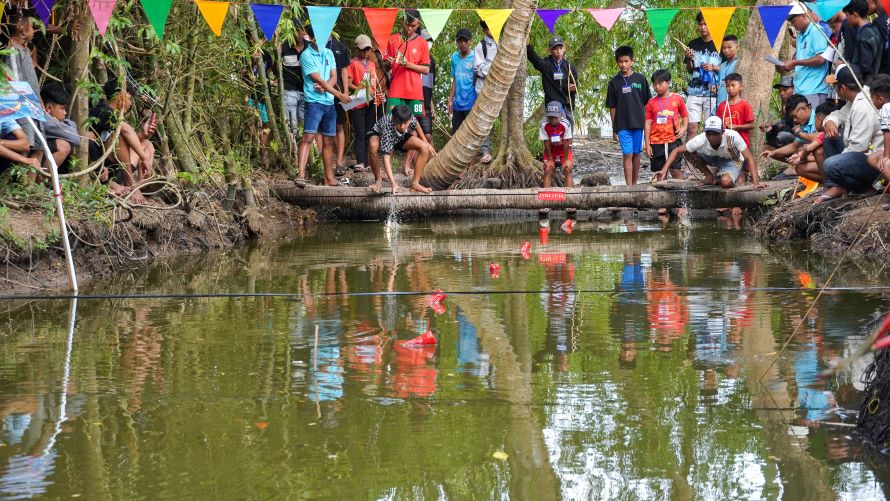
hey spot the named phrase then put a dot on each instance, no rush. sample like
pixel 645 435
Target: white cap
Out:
pixel 714 124
pixel 796 8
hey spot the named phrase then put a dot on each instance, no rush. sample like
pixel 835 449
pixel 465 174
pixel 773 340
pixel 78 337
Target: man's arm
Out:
pixel 451 97
pixel 785 151
pixel 752 165
pixel 816 60
pixel 10 154
pixel 679 150
pixel 862 129
pixel 328 85
pixel 614 131
pixel 747 126
pixel 19 144
pixel 647 133
pixel 835 120
pixel 344 77
pixel 533 58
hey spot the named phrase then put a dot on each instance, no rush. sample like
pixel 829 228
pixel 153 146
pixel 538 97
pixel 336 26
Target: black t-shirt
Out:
pixel 628 95
pixel 103 118
pixel 292 74
pixel 700 81
pixel 341 58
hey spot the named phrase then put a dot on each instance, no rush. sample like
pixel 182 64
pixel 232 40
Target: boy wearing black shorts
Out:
pixel 666 123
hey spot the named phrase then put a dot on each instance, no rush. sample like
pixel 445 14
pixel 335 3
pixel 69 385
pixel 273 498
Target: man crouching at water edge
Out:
pixel 398 130
pixel 715 147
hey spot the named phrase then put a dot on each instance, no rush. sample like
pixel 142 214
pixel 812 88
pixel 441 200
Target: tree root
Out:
pixel 515 169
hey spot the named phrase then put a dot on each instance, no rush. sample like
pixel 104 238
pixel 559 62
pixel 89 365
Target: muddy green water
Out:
pixel 616 362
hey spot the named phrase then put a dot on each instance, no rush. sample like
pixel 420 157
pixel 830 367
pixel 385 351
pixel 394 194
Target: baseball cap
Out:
pixel 714 124
pixel 363 42
pixel 463 33
pixel 796 10
pixel 113 86
pixel 555 41
pixel 786 81
pixel 844 75
pixel 554 109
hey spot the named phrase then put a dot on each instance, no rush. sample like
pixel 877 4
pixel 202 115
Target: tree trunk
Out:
pixel 449 164
pixel 671 194
pixel 80 65
pixel 758 75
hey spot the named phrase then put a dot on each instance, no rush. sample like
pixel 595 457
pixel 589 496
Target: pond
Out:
pixel 610 361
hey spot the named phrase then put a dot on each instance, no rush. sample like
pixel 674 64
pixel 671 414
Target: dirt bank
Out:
pixel 109 238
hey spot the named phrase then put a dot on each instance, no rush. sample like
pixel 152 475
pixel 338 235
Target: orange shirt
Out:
pixel 404 83
pixel 665 113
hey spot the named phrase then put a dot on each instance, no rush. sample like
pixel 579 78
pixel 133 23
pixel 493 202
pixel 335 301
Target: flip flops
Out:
pixel 340 170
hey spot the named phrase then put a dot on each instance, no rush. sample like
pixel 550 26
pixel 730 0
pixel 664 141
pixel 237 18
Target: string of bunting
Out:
pixel 382 20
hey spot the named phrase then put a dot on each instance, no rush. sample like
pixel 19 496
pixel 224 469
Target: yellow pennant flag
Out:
pixel 717 19
pixel 495 19
pixel 214 13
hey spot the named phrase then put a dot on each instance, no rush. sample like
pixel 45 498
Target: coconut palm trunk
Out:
pixel 449 164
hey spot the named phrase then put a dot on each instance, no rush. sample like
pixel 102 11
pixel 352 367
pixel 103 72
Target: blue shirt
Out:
pixel 464 84
pixel 8 126
pixel 809 80
pixel 725 69
pixel 322 63
pixel 808 128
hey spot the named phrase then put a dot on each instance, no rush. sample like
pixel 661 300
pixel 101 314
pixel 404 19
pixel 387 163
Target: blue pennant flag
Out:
pixel 267 16
pixel 322 20
pixel 773 17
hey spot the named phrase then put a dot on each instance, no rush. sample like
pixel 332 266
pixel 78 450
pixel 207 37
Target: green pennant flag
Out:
pixel 660 21
pixel 434 20
pixel 157 11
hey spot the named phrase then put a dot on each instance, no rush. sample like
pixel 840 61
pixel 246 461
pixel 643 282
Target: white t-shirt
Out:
pixel 885 117
pixel 699 144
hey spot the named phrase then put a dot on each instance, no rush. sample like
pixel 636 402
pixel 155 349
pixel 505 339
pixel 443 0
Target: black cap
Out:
pixel 786 81
pixel 844 76
pixel 555 41
pixel 463 33
pixel 113 86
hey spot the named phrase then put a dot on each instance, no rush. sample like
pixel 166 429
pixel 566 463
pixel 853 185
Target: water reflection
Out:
pixel 615 362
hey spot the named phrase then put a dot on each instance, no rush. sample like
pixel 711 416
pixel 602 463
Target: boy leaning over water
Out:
pixel 398 130
pixel 666 123
pixel 626 99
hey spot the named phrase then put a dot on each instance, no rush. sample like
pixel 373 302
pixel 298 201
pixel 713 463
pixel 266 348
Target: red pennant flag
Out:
pixel 381 22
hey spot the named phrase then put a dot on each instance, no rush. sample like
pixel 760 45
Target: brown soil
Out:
pixel 103 243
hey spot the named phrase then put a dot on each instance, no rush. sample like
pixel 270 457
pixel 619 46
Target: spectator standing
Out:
pixel 869 45
pixel 702 63
pixel 729 53
pixel 666 123
pixel 483 56
pixel 735 112
pixel 558 76
pixel 428 82
pixel 341 59
pixel 292 77
pixel 20 27
pixel 463 89
pixel 364 73
pixel 626 97
pixel 808 65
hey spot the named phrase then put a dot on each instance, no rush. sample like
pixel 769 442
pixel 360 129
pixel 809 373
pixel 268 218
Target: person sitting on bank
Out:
pixel 849 170
pixel 804 118
pixel 556 133
pixel 879 86
pixel 715 147
pixel 14 146
pixel 60 132
pixel 398 130
pixel 133 154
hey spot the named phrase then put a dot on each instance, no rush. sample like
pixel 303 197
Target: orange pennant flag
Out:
pixel 381 22
pixel 717 19
pixel 214 13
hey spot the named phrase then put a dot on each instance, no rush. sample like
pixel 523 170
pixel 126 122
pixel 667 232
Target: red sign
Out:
pixel 552 258
pixel 551 196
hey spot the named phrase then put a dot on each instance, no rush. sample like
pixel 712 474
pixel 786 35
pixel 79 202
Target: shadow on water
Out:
pixel 612 361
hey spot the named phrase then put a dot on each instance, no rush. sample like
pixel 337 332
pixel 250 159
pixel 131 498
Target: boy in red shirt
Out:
pixel 735 111
pixel 407 57
pixel 666 123
pixel 556 132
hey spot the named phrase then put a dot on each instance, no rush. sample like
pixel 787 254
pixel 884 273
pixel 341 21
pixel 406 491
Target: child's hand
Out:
pixel 648 150
pixel 615 136
pixel 796 130
pixel 432 149
pixel 689 53
pixel 681 133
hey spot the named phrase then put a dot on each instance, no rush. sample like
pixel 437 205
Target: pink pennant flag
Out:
pixel 101 11
pixel 606 17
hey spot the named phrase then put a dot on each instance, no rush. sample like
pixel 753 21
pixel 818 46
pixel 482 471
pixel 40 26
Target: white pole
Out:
pixel 57 195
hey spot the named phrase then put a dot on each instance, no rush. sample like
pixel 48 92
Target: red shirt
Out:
pixel 739 113
pixel 360 68
pixel 404 83
pixel 665 113
pixel 555 135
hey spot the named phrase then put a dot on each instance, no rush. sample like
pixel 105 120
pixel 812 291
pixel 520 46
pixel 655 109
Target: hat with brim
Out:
pixel 363 42
pixel 554 109
pixel 844 76
pixel 796 10
pixel 463 34
pixel 556 42
pixel 786 81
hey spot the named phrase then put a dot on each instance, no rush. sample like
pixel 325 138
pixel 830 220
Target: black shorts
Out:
pixel 341 113
pixel 660 153
pixel 426 124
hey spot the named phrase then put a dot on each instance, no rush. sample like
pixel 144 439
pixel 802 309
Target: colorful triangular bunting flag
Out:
pixel 549 16
pixel 214 13
pixel 267 17
pixel 323 20
pixel 435 19
pixel 607 17
pixel 660 21
pixel 157 12
pixel 43 8
pixel 773 18
pixel 495 19
pixel 381 22
pixel 717 19
pixel 826 9
pixel 101 11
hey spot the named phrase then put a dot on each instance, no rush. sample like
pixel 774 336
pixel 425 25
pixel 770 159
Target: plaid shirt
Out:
pixel 389 136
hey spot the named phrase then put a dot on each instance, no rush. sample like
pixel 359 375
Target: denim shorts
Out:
pixel 631 141
pixel 320 119
pixel 850 170
pixel 724 166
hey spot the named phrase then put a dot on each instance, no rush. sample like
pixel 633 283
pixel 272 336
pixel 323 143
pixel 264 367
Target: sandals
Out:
pixel 340 170
pixel 344 182
pixel 360 168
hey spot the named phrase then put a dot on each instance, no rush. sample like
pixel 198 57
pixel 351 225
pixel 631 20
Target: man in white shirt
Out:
pixel 849 170
pixel 483 56
pixel 723 149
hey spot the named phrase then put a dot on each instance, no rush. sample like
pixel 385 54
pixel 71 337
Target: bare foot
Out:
pixel 376 187
pixel 331 182
pixel 138 197
pixel 420 188
pixel 117 190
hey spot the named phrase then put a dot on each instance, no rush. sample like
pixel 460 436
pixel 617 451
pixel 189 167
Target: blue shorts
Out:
pixel 320 119
pixel 631 141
